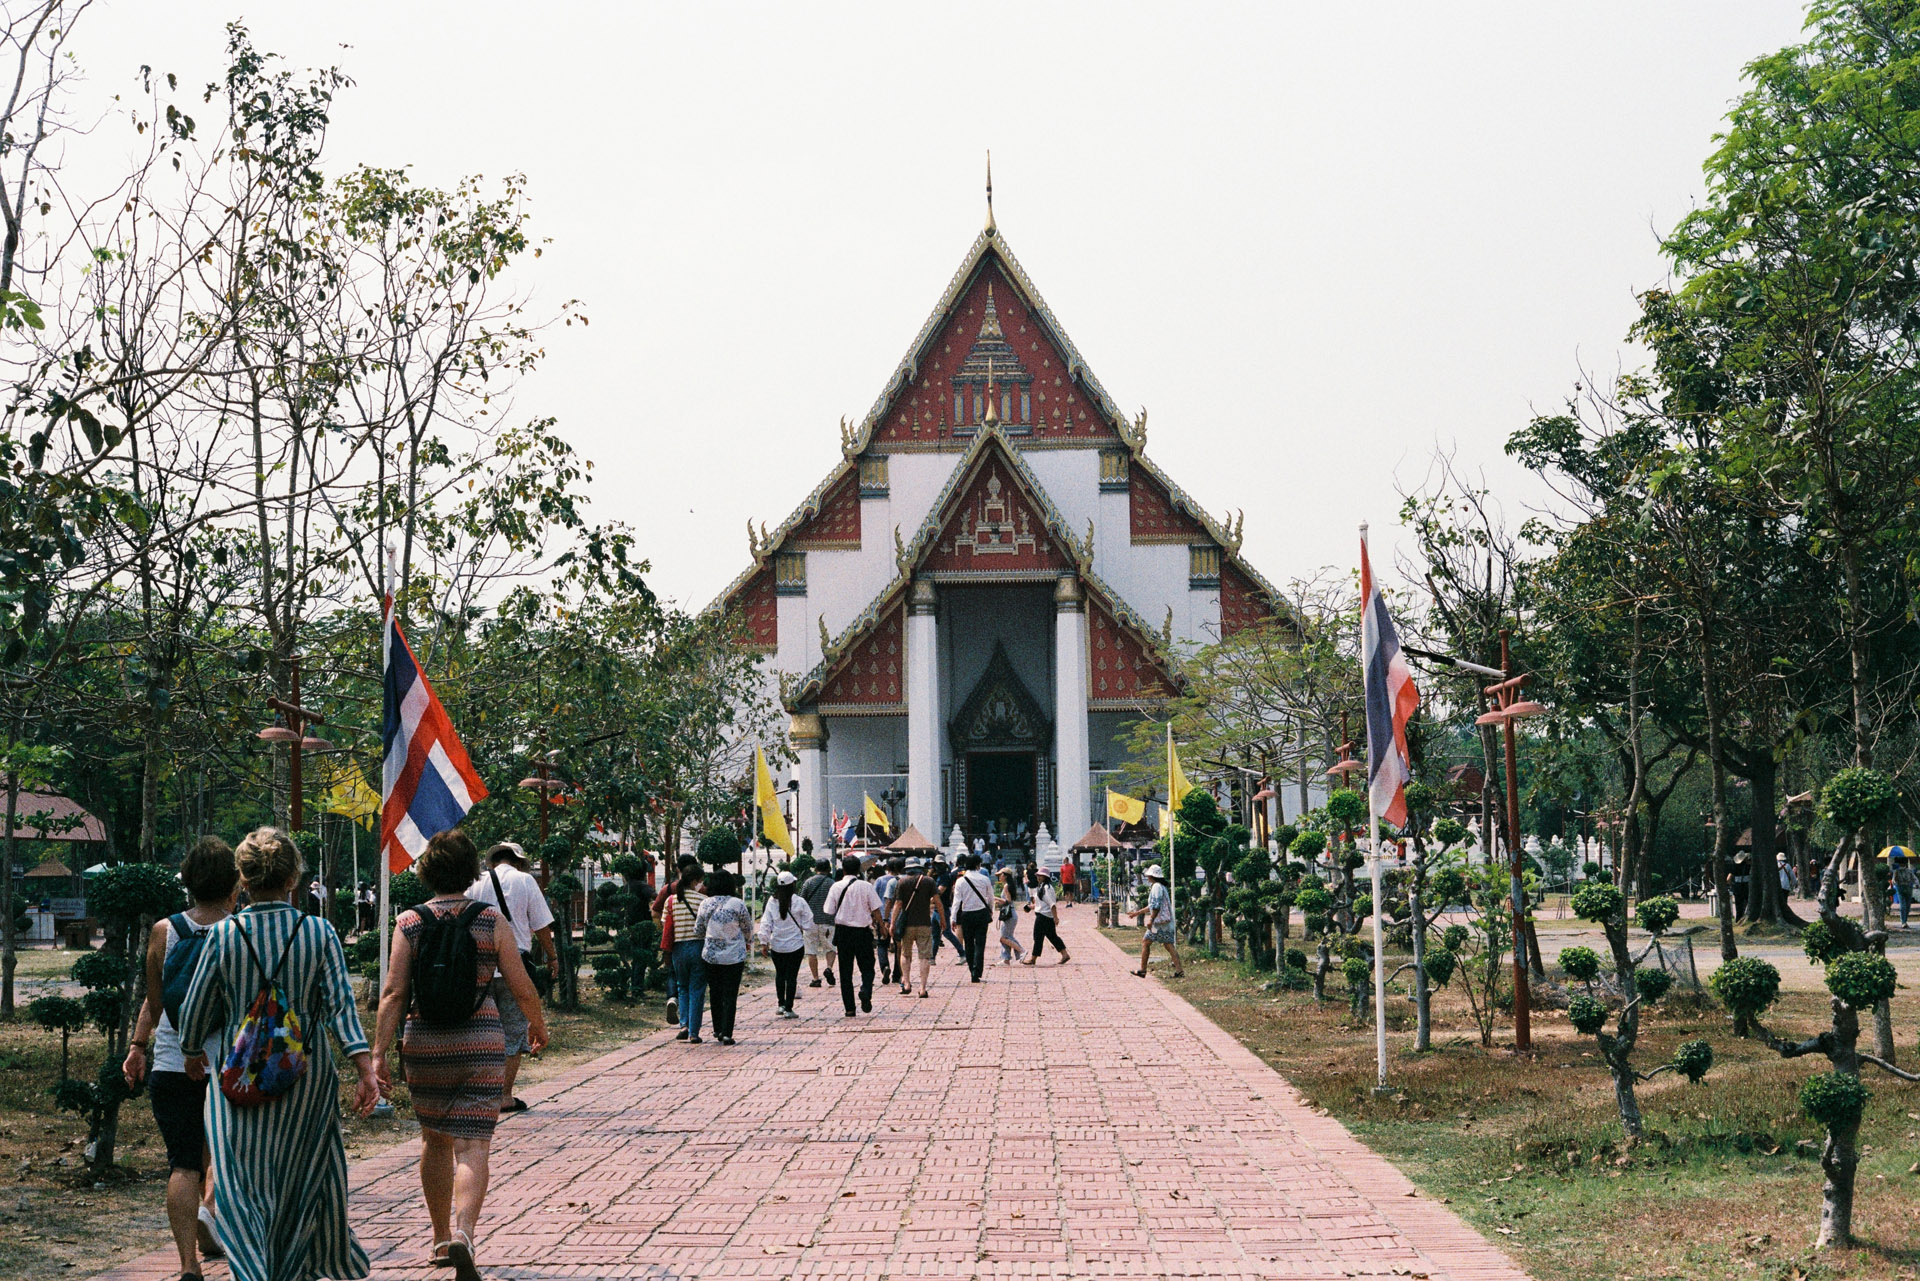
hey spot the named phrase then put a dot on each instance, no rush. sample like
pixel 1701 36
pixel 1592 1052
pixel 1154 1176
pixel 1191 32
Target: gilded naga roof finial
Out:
pixel 993 410
pixel 990 227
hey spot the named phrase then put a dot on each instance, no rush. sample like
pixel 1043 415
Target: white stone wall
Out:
pixel 862 753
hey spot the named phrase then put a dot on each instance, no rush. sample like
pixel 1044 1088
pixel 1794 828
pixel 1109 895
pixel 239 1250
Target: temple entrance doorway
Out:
pixel 1003 790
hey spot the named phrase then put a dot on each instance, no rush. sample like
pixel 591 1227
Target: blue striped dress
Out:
pixel 279 1168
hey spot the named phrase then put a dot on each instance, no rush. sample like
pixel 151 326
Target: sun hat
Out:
pixel 785 878
pixel 1156 873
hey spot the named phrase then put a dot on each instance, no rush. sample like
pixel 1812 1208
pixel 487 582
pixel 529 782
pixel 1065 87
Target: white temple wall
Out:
pixel 865 754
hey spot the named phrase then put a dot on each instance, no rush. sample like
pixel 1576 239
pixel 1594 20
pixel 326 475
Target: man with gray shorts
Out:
pixel 508 886
pixel 820 934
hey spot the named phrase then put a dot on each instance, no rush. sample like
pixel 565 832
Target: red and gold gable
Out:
pixel 923 412
pixel 993 528
pixel 836 526
pixel 1119 666
pixel 759 613
pixel 1153 518
pixel 874 673
pixel 1242 604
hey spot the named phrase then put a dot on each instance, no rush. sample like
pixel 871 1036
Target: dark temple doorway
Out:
pixel 1002 790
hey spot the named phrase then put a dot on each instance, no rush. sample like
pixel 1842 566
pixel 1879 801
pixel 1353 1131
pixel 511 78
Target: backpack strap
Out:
pixel 182 927
pixel 494 875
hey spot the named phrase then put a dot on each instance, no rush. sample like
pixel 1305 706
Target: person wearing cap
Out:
pixel 1159 914
pixel 820 937
pixel 1046 900
pixel 916 910
pixel 509 887
pixel 784 928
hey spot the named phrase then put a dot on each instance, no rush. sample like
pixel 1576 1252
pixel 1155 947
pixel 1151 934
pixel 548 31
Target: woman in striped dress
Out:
pixel 455 1073
pixel 280 1167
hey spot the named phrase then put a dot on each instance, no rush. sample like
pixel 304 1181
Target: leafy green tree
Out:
pixel 61 1014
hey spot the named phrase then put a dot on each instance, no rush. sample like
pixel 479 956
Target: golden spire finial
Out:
pixel 990 226
pixel 990 322
pixel 993 410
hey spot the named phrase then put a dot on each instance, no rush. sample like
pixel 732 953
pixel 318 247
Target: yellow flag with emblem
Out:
pixel 348 794
pixel 773 824
pixel 1177 785
pixel 877 817
pixel 1125 809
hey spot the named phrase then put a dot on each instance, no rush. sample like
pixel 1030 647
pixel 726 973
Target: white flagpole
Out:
pixel 380 817
pixel 1172 827
pixel 1373 858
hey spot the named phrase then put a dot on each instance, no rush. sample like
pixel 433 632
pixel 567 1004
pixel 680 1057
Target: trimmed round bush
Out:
pixel 1357 971
pixel 1347 808
pixel 1589 869
pixel 1656 914
pixel 718 847
pixel 1652 982
pixel 1855 797
pixel 1746 985
pixel 1582 963
pixel 1692 1059
pixel 1308 846
pixel 1449 832
pixel 1597 901
pixel 1587 1014
pixel 1362 906
pixel 1313 900
pixel 1819 943
pixel 1440 963
pixel 1296 959
pixel 405 890
pixel 1861 979
pixel 1454 937
pixel 1834 1099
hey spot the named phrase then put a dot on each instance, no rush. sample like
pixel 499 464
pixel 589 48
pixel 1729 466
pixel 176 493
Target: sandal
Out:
pixel 517 1105
pixel 437 1256
pixel 460 1254
pixel 1139 974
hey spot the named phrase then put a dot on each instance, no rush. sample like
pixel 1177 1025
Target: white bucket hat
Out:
pixel 1156 873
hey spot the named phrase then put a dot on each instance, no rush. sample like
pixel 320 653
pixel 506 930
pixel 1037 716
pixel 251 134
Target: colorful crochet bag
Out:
pixel 269 1053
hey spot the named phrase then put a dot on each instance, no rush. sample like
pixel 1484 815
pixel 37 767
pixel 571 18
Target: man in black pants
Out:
pixel 854 909
pixel 973 908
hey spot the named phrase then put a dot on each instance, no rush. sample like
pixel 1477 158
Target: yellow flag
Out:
pixel 348 794
pixel 877 817
pixel 1125 808
pixel 773 824
pixel 1177 785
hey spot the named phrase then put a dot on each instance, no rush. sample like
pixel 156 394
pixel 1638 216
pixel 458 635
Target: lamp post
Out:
pixel 543 782
pixel 290 727
pixel 1508 708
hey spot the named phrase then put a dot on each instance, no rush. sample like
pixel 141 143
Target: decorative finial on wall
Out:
pixel 1166 629
pixel 899 550
pixel 1140 429
pixel 826 641
pixel 990 227
pixel 1089 547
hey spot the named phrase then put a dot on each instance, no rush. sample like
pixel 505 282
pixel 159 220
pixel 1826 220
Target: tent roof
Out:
pixel 47 816
pixel 912 840
pixel 50 869
pixel 1097 838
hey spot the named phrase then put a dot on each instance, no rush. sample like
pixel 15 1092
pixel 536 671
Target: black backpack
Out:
pixel 446 967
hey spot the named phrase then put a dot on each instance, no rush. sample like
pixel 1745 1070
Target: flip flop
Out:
pixel 518 1105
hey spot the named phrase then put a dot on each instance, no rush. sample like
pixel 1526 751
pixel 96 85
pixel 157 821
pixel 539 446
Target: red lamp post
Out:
pixel 290 727
pixel 1508 708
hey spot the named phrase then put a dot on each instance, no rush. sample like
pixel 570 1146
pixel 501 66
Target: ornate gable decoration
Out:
pixel 1121 670
pixel 873 678
pixel 1153 517
pixel 1000 713
pixel 835 526
pixel 994 528
pixel 1242 602
pixel 760 613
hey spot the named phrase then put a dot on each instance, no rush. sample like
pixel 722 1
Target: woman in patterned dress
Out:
pixel 455 1075
pixel 280 1167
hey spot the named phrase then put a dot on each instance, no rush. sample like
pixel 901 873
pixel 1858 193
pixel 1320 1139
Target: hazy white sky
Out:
pixel 1314 241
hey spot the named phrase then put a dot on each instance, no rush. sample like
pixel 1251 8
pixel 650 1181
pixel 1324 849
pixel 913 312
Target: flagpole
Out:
pixel 1173 863
pixel 1373 858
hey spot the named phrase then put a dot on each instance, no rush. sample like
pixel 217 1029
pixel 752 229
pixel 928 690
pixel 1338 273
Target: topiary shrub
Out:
pixel 60 1014
pixel 1587 1014
pixel 405 890
pixel 1655 915
pixel 1358 972
pixel 718 847
pixel 1819 943
pixel 1308 846
pixel 1440 963
pixel 1652 983
pixel 1453 938
pixel 1296 959
pixel 1855 798
pixel 1597 901
pixel 1347 808
pixel 1746 985
pixel 1589 869
pixel 1861 979
pixel 1449 832
pixel 1834 1099
pixel 1692 1059
pixel 1582 963
pixel 1313 900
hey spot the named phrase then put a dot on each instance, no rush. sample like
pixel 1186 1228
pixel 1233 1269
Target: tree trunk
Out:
pixel 1839 1159
pixel 1422 991
pixel 1322 962
pixel 9 958
pixel 1767 897
pixel 1717 770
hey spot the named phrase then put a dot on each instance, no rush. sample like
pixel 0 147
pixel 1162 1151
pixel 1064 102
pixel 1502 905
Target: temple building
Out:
pixel 968 613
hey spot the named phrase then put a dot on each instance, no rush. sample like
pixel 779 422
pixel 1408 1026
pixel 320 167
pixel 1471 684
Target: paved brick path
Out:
pixel 1049 1122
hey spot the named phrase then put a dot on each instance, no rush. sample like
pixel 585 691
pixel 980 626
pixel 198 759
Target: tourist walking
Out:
pixel 854 909
pixel 1159 914
pixel 973 908
pixel 785 926
pixel 678 911
pixel 887 949
pixel 1046 901
pixel 279 1169
pixel 820 934
pixel 723 926
pixel 916 912
pixel 1069 881
pixel 1901 869
pixel 1005 904
pixel 154 1054
pixel 944 877
pixel 508 886
pixel 446 954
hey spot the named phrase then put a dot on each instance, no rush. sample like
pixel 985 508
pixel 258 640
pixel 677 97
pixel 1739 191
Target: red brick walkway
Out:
pixel 1059 1121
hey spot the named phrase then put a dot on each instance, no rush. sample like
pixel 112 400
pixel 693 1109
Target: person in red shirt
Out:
pixel 1069 880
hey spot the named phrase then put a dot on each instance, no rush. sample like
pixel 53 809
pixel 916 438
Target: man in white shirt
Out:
pixel 973 909
pixel 506 885
pixel 854 908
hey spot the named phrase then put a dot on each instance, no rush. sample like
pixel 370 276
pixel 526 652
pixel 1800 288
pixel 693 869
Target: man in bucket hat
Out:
pixel 1159 914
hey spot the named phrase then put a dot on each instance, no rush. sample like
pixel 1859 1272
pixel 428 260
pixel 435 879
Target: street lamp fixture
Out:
pixel 1508 707
pixel 290 726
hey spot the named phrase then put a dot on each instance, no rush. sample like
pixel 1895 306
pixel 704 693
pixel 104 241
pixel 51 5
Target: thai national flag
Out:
pixel 1391 700
pixel 428 784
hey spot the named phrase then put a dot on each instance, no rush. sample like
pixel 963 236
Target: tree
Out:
pixel 62 1014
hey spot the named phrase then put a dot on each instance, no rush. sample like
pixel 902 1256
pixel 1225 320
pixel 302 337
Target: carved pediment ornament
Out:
pixel 1000 713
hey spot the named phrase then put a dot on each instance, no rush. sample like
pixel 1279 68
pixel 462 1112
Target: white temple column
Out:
pixel 809 736
pixel 1074 804
pixel 923 710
